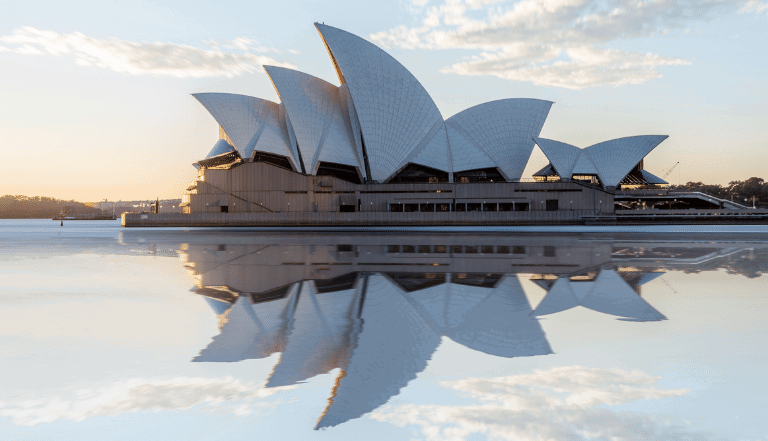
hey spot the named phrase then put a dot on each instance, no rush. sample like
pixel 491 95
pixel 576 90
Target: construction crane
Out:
pixel 670 170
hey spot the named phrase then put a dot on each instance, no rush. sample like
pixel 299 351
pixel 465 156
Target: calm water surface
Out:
pixel 111 333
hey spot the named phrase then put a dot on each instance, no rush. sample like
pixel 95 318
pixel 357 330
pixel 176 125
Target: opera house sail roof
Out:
pixel 380 125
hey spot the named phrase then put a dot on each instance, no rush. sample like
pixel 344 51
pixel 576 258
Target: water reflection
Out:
pixel 377 307
pixel 608 291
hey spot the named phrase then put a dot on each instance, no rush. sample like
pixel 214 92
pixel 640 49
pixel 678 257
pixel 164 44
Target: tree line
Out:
pixel 39 207
pixel 753 190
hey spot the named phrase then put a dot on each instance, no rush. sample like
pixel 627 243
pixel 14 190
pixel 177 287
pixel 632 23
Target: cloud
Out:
pixel 566 403
pixel 557 43
pixel 227 58
pixel 754 6
pixel 143 395
pixel 572 68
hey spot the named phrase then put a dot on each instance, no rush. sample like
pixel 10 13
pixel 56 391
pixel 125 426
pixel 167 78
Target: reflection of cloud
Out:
pixel 228 58
pixel 556 42
pixel 142 395
pixel 566 403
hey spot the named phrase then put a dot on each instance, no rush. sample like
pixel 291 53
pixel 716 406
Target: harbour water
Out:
pixel 524 334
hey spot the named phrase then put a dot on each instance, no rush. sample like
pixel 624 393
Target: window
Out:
pixel 505 206
pixel 486 249
pixel 502 249
pixel 425 249
pixel 522 206
pixel 409 249
pixel 552 205
pixel 393 248
pixel 518 250
pixel 441 249
pixel 347 208
pixel 224 209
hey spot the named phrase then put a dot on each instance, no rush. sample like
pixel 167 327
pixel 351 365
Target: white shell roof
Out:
pixel 584 165
pixel 318 119
pixel 436 152
pixel 221 147
pixel 394 109
pixel 610 160
pixel 562 156
pixel 382 110
pixel 615 158
pixel 465 155
pixel 251 123
pixel 353 123
pixel 285 124
pixel 504 130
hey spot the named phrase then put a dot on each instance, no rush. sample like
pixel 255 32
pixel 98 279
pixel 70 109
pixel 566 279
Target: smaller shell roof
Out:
pixel 253 124
pixel 611 160
pixel 222 147
pixel 561 156
pixel 617 157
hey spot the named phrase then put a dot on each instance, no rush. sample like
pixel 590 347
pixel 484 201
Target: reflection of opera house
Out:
pixel 377 307
pixel 376 150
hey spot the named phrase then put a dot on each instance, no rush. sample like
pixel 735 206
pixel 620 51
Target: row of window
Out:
pixel 456 249
pixel 459 207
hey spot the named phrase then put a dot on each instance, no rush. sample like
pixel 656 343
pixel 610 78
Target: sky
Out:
pixel 96 97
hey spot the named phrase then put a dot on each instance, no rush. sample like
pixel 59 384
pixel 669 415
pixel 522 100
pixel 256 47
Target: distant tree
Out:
pixel 744 192
pixel 38 207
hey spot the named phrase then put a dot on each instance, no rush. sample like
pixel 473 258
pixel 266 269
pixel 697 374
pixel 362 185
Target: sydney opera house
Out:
pixel 375 150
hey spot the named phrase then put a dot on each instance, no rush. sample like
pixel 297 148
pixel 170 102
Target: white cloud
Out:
pixel 572 68
pixel 754 6
pixel 225 58
pixel 567 403
pixel 142 395
pixel 543 41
